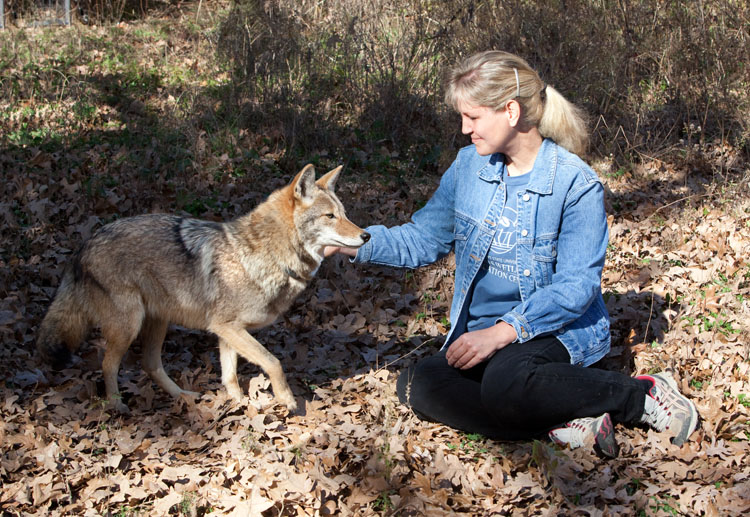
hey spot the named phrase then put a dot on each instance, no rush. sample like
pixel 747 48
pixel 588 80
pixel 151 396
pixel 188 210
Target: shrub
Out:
pixel 26 12
pixel 653 75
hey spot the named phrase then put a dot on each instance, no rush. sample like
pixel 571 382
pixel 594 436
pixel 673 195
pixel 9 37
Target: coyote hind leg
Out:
pixel 119 331
pixel 248 347
pixel 152 338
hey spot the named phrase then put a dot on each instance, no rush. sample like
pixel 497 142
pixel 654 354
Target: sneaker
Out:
pixel 598 433
pixel 666 409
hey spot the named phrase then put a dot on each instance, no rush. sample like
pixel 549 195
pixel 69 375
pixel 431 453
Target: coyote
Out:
pixel 137 275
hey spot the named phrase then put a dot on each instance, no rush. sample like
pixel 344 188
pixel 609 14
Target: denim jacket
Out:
pixel 561 244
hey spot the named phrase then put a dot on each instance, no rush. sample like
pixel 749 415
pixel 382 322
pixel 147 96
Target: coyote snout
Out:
pixel 137 275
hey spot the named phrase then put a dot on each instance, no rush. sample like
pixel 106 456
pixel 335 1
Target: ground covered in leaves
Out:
pixel 677 284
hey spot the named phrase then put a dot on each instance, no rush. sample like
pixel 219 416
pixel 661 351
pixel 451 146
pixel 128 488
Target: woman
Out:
pixel 525 217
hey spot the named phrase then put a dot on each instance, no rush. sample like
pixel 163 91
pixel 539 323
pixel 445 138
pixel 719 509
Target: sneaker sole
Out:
pixel 682 437
pixel 605 443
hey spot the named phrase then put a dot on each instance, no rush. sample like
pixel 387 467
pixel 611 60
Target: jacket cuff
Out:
pixel 364 253
pixel 521 326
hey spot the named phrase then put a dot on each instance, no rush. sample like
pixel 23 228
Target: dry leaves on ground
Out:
pixel 677 285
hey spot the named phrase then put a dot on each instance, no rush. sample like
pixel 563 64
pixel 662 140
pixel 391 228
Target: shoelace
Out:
pixel 660 416
pixel 580 428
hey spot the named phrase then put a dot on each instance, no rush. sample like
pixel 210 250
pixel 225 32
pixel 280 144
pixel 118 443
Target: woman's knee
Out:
pixel 504 396
pixel 403 385
pixel 414 392
pixel 417 384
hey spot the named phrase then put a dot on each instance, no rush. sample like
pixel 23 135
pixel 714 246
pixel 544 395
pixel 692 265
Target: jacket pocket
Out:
pixel 462 230
pixel 544 257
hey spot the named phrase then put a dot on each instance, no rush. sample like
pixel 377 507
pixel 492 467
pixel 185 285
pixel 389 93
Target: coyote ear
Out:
pixel 328 180
pixel 304 183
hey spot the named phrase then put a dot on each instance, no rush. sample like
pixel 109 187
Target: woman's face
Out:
pixel 490 130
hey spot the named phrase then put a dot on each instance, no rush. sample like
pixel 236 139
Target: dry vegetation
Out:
pixel 203 108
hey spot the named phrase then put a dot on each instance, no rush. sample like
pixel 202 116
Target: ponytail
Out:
pixel 564 122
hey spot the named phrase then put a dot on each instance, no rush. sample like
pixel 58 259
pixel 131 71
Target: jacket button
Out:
pixel 524 334
pixel 524 232
pixel 526 197
pixel 526 272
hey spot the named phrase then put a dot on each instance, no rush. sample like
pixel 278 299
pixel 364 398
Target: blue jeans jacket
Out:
pixel 561 244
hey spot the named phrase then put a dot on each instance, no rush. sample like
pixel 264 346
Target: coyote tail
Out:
pixel 66 323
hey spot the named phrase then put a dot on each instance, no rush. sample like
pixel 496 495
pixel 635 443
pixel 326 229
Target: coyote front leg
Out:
pixel 228 358
pixel 239 341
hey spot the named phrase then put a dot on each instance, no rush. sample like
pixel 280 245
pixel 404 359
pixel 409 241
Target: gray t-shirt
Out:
pixel 495 289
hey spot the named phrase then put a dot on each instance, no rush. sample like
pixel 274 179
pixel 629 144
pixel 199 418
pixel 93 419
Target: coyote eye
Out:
pixel 330 216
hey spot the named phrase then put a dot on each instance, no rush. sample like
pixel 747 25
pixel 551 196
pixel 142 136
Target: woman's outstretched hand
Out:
pixel 472 348
pixel 332 250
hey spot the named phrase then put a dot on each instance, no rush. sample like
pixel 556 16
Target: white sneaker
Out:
pixel 666 409
pixel 598 433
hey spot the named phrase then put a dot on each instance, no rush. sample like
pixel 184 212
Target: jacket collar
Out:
pixel 542 174
pixel 493 168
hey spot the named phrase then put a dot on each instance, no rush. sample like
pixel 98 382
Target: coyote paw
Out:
pixel 235 393
pixel 191 395
pixel 288 400
pixel 118 406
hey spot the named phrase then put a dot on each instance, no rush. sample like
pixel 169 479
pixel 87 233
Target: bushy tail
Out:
pixel 66 323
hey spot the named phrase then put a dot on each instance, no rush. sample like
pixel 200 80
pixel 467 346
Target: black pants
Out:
pixel 521 392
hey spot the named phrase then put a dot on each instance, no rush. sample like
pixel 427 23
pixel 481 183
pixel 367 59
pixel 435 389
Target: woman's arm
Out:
pixel 426 238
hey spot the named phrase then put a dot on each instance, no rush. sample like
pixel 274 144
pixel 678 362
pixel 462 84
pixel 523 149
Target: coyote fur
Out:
pixel 137 275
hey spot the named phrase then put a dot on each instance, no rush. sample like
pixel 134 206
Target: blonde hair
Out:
pixel 493 77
